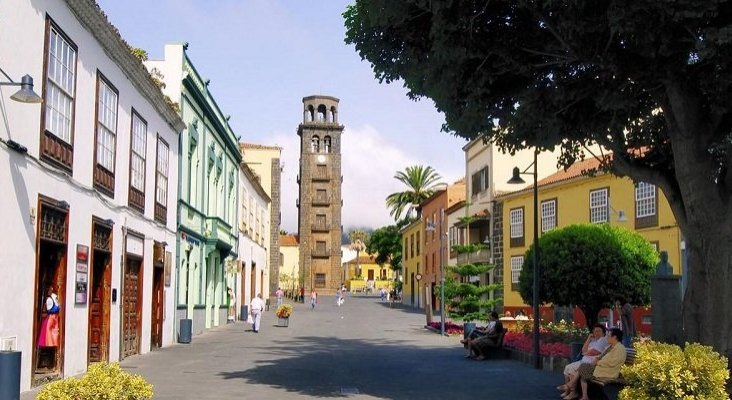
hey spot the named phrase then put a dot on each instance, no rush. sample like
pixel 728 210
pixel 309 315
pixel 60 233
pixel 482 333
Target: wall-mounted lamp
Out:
pixel 26 93
pixel 109 222
pixel 165 244
pixel 621 216
pixel 63 204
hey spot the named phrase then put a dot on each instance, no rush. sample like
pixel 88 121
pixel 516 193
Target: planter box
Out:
pixel 284 322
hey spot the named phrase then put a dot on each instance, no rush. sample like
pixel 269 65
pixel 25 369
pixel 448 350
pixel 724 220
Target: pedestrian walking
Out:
pixel 313 299
pixel 279 294
pixel 231 296
pixel 339 297
pixel 256 306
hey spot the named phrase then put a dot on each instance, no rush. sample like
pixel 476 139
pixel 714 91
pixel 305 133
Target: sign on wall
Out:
pixel 168 266
pixel 82 273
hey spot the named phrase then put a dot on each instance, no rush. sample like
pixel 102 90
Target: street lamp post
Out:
pixel 516 179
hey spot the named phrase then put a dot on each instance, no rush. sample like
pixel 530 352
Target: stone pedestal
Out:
pixel 666 302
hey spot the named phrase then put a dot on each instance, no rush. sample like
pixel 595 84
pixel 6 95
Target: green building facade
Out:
pixel 209 159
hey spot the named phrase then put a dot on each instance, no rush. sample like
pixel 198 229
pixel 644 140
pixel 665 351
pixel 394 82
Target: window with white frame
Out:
pixel 61 82
pixel 599 206
pixel 517 222
pixel 548 215
pixel 517 263
pixel 106 124
pixel 161 173
pixel 137 158
pixel 645 200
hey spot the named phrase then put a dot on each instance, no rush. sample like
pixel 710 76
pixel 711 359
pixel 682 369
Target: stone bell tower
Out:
pixel 320 201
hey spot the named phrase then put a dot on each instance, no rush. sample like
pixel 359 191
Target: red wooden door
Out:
pixel 156 326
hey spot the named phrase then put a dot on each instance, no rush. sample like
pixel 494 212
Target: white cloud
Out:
pixel 369 162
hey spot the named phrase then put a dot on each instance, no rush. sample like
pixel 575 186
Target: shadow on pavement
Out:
pixel 332 367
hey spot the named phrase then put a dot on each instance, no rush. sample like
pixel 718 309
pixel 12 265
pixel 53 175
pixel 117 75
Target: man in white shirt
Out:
pixel 255 309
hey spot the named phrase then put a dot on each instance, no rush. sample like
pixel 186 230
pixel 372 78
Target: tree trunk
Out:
pixel 707 310
pixel 700 199
pixel 590 315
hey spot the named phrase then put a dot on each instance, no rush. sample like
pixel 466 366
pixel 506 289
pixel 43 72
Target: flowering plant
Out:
pixel 450 328
pixel 284 311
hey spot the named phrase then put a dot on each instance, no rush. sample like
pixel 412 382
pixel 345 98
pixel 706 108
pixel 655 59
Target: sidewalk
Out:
pixel 362 350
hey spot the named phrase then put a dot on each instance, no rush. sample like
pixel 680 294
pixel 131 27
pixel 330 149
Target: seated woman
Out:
pixel 490 335
pixel 595 344
pixel 607 367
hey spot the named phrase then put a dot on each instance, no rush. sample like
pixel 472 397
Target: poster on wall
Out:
pixel 82 269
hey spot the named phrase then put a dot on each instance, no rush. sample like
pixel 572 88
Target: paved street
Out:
pixel 363 350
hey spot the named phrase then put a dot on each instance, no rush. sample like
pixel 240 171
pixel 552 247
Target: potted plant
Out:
pixel 283 313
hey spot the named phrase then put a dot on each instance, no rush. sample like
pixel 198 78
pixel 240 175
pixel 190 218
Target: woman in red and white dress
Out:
pixel 49 334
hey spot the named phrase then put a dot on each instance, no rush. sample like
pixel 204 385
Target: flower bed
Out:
pixel 524 342
pixel 450 328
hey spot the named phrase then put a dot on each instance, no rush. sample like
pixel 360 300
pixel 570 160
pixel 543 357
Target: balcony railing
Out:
pixel 482 256
pixel 320 252
pixel 321 200
pixel 321 177
pixel 320 227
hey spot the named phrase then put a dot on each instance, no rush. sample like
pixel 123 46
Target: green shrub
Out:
pixel 665 371
pixel 102 381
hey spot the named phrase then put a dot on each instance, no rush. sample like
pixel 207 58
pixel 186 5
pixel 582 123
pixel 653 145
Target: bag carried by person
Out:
pixel 250 320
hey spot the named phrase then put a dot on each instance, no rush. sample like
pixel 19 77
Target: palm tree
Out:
pixel 420 181
pixel 358 240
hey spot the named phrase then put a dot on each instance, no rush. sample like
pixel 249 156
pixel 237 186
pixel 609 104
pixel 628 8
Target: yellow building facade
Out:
pixel 373 275
pixel 568 197
pixel 412 237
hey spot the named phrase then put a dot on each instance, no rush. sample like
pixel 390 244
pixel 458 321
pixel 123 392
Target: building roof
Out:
pixel 91 16
pixel 574 171
pixel 254 146
pixel 289 240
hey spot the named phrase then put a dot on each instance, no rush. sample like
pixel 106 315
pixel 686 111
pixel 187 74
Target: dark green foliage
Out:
pixel 591 266
pixel 386 243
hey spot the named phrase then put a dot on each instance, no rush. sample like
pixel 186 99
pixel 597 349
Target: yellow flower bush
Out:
pixel 102 381
pixel 284 311
pixel 665 371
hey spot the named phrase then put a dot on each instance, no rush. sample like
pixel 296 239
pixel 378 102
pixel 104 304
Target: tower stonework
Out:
pixel 320 201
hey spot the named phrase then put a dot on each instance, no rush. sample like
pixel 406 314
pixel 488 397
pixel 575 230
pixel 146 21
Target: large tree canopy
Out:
pixel 648 80
pixel 591 266
pixel 386 243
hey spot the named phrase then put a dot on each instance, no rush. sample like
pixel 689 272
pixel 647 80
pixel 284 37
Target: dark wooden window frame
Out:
pixel 649 221
pixel 137 197
pixel 161 210
pixel 103 178
pixel 52 148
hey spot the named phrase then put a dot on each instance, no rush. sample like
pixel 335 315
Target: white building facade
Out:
pixel 253 275
pixel 90 198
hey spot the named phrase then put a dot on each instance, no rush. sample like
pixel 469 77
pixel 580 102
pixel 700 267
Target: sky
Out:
pixel 264 56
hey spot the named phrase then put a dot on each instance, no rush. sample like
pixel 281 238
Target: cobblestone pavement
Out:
pixel 362 350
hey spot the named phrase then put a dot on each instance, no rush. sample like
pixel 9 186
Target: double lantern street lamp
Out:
pixel 516 179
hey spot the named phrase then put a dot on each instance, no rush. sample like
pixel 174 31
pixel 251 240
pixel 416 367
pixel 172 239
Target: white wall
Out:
pixel 26 178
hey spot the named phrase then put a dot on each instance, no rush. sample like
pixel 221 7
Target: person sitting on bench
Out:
pixel 489 335
pixel 607 367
